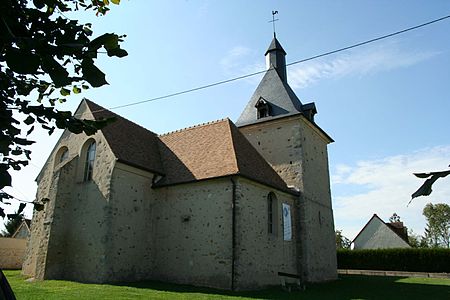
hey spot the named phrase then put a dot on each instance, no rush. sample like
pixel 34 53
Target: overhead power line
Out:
pixel 289 64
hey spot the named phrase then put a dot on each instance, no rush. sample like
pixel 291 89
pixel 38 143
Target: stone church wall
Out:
pixel 130 225
pixel 193 233
pixel 67 237
pixel 280 143
pixel 318 222
pixel 260 255
pixel 298 152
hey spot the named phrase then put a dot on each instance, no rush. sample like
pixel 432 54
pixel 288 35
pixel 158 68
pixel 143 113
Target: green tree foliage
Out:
pixel 437 233
pixel 45 57
pixel 394 218
pixel 341 241
pixel 415 240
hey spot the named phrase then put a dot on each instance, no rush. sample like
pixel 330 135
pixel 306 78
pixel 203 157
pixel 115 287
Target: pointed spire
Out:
pixel 275 58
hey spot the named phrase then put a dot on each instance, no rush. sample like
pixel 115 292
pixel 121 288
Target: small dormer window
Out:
pixel 263 108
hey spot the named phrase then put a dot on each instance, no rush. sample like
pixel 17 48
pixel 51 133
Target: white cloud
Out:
pixel 359 62
pixel 384 186
pixel 241 60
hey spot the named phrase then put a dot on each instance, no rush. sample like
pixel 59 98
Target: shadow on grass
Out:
pixel 346 287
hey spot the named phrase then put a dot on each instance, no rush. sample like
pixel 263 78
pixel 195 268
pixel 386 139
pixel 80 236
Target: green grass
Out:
pixel 347 287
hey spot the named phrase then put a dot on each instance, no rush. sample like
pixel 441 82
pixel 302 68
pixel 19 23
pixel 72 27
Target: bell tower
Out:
pixel 284 132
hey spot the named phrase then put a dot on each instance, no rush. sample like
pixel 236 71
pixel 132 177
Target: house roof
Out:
pixel 212 150
pixel 394 227
pixel 275 91
pixel 26 223
pixel 130 143
pixel 206 151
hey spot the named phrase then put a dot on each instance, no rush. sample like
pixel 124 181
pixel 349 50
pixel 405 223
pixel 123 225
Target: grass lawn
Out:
pixel 347 287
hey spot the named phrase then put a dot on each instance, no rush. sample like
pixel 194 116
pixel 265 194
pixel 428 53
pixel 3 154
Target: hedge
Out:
pixel 410 260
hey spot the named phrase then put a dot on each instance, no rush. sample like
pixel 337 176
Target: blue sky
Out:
pixel 386 104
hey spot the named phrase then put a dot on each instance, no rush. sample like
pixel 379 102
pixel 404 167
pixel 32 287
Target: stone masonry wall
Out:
pixel 260 255
pixel 37 245
pixel 280 143
pixel 298 152
pixel 193 234
pixel 68 236
pixel 316 208
pixel 129 239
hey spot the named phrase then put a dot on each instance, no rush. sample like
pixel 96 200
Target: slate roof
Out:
pixel 206 151
pixel 213 150
pixel 396 227
pixel 278 93
pixel 275 45
pixel 130 143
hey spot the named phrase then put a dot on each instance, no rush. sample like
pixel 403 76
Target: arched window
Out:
pixel 271 213
pixel 61 155
pixel 64 155
pixel 89 161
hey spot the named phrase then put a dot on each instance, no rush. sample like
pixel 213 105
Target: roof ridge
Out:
pixel 194 126
pixel 102 109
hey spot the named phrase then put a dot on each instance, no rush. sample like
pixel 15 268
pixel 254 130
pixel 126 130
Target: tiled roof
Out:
pixel 399 229
pixel 213 150
pixel 196 153
pixel 130 143
pixel 206 151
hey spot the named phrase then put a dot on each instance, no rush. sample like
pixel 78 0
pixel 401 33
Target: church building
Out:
pixel 221 204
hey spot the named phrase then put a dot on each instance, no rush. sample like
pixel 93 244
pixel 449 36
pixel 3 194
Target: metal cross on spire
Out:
pixel 274 12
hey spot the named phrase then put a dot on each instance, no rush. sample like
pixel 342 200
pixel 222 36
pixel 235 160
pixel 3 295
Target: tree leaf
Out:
pixel 64 91
pixel 92 74
pixel 30 130
pixel 16 152
pixel 5 178
pixel 76 90
pixel 117 2
pixel 39 4
pixel 21 62
pixel 22 142
pixel 29 120
pixel 57 73
pixel 21 207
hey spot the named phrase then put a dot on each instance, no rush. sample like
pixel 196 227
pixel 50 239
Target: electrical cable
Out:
pixel 289 64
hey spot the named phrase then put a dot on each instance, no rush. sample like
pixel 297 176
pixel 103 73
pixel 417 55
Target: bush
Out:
pixel 411 260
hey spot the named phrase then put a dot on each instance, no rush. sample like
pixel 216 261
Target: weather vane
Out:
pixel 274 12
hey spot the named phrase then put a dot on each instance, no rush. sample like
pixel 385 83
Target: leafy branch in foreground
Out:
pixel 46 56
pixel 426 188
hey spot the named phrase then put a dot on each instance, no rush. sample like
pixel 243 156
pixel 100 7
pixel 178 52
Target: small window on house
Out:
pixel 263 108
pixel 271 213
pixel 89 162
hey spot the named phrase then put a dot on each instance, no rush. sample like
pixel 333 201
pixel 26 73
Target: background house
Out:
pixel 377 234
pixel 23 231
